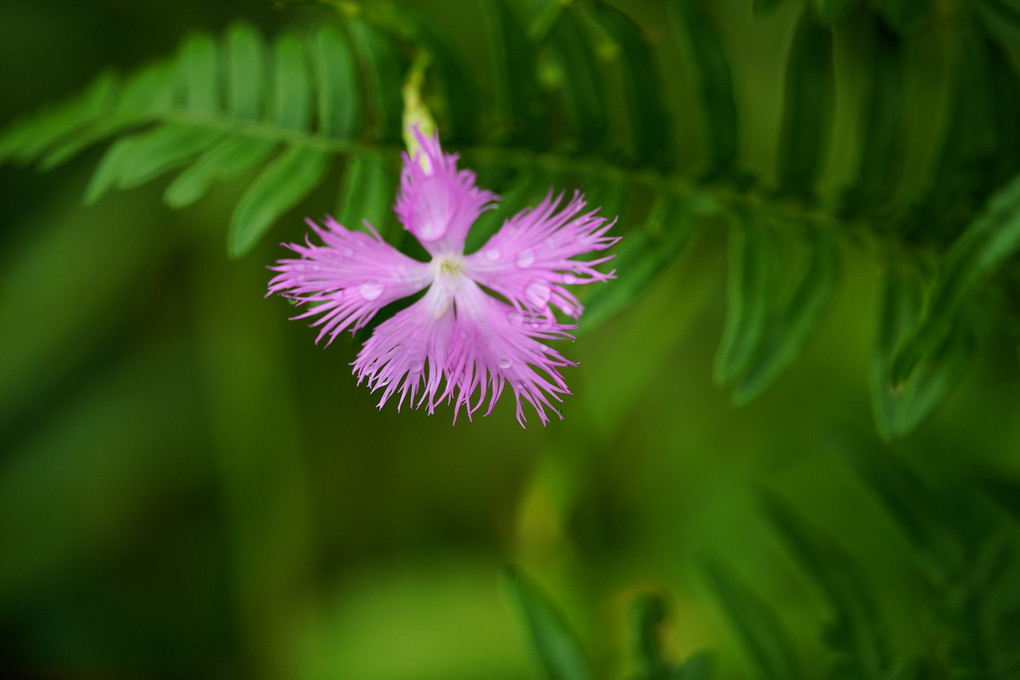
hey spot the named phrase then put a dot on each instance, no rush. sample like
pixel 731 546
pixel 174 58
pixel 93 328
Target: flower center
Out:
pixel 449 265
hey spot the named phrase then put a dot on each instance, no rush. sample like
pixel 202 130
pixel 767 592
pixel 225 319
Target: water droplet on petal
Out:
pixel 492 254
pixel 416 367
pixel 515 318
pixel 370 290
pixel 537 293
pixel 526 258
pixel 504 363
pixel 569 278
pixel 346 251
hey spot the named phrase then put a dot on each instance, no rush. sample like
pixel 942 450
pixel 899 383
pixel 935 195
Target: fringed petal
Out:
pixel 532 257
pixel 438 203
pixel 346 280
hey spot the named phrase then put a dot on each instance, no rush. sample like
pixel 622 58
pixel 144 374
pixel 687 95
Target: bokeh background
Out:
pixel 189 487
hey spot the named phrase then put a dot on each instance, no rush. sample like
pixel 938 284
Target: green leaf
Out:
pixel 1005 90
pixel 385 69
pixel 710 63
pixel 340 100
pixel 919 513
pixel 855 634
pixel 905 15
pixel 834 12
pixel 1001 19
pixel 151 90
pixel 984 246
pixel 697 667
pixel 246 73
pixel 554 644
pixel 229 158
pixel 807 109
pixel 26 140
pixel 762 8
pixel 647 613
pixel 793 326
pixel 580 87
pixel 515 79
pixel 641 257
pixel 749 295
pixel 649 114
pixel 881 147
pixel 140 158
pixel 280 187
pixel 199 70
pixel 292 87
pixel 898 411
pixel 369 187
pixel 757 624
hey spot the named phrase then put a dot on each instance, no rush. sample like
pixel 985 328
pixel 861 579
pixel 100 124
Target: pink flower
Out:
pixel 484 319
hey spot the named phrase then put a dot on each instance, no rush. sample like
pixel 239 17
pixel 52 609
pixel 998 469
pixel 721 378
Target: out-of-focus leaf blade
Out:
pixel 905 15
pixel 641 257
pixel 199 71
pixel 881 154
pixel 748 296
pixel 697 667
pixel 385 70
pixel 899 410
pixel 555 645
pixel 711 66
pixel 517 85
pixel 918 512
pixel 649 114
pixel 985 244
pixel 280 187
pixel 292 87
pixel 757 624
pixel 855 635
pixel 367 194
pixel 764 7
pixel 227 159
pixel 146 93
pixel 27 140
pixel 581 88
pixel 142 157
pixel 807 108
pixel 647 613
pixel 792 328
pixel 834 12
pixel 340 98
pixel 246 72
pixel 1002 19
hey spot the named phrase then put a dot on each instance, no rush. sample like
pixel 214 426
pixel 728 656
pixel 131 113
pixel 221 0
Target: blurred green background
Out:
pixel 189 487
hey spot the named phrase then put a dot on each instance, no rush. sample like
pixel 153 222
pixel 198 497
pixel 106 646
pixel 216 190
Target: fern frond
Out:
pixel 578 97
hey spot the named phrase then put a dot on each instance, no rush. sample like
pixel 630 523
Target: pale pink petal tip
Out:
pixel 458 343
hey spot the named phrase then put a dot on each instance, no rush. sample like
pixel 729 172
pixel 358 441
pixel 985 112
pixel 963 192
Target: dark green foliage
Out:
pixel 649 112
pixel 793 320
pixel 709 61
pixel 966 549
pixel 554 644
pixel 899 409
pixel 984 246
pixel 282 115
pixel 759 627
pixel 807 109
pixel 882 145
pixel 854 634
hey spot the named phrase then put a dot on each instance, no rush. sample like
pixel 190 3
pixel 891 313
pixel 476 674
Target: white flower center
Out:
pixel 447 279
